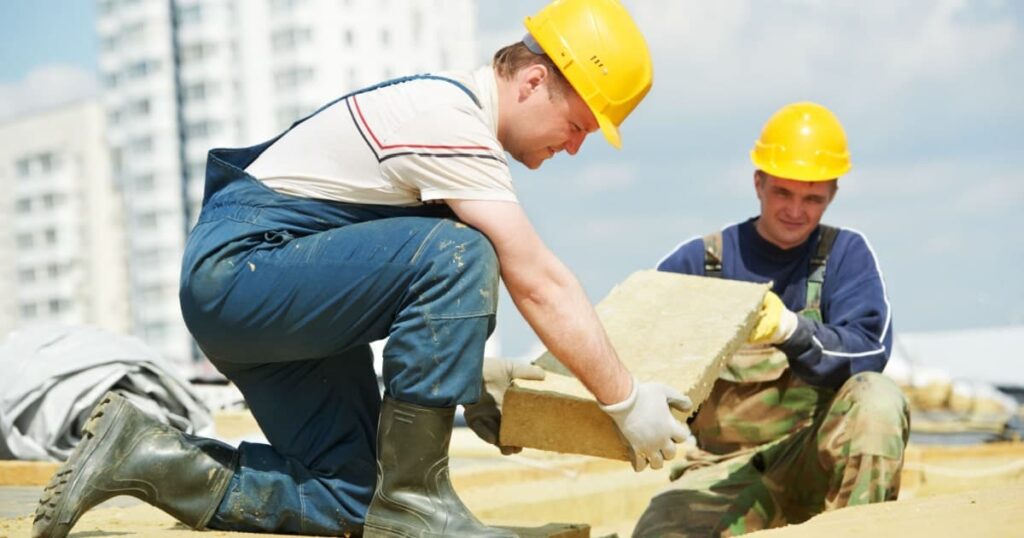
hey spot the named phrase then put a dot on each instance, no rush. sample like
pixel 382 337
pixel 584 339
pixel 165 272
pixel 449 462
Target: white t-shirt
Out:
pixel 402 145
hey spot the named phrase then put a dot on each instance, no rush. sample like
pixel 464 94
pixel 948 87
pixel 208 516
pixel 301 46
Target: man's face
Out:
pixel 547 120
pixel 790 210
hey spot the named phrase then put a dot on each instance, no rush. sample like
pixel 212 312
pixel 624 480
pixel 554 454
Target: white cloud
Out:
pixel 604 177
pixel 45 87
pixel 715 57
pixel 944 46
pixel 992 194
pixel 944 244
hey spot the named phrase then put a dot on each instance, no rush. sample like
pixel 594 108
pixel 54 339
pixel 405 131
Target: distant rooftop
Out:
pixel 993 355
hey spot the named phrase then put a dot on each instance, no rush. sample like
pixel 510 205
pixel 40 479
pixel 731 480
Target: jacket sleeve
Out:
pixel 856 335
pixel 687 258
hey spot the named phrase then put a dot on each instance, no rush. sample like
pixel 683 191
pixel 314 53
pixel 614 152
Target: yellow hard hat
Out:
pixel 602 54
pixel 802 141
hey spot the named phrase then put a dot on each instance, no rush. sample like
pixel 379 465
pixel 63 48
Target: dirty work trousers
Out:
pixel 848 452
pixel 284 295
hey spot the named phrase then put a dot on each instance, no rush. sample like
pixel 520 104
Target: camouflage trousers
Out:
pixel 845 450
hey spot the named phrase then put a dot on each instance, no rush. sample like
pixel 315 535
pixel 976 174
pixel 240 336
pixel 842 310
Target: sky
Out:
pixel 929 92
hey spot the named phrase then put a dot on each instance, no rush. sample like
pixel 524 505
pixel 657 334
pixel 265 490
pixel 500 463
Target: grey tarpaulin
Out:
pixel 51 376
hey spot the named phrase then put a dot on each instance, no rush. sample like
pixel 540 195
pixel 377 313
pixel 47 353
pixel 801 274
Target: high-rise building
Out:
pixel 61 238
pixel 182 76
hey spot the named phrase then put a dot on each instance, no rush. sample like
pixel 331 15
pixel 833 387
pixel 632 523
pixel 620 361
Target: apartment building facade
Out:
pixel 62 256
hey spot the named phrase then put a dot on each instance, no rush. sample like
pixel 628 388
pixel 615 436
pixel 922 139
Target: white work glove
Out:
pixel 484 417
pixel 646 423
pixel 775 322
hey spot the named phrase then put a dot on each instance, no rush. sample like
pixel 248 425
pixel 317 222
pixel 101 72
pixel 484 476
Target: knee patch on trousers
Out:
pixel 870 413
pixel 456 251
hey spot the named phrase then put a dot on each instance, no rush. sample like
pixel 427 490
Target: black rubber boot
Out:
pixel 125 452
pixel 414 496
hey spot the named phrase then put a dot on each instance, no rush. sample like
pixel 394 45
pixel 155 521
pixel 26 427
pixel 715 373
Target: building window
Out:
pixel 51 236
pixel 139 107
pixel 141 68
pixel 385 38
pixel 35 165
pixel 287 115
pixel 197 92
pixel 52 200
pixel 349 38
pixel 132 35
pixel 195 52
pixel 197 170
pixel 109 42
pixel 189 14
pixel 290 78
pixel 28 310
pixel 285 5
pixel 154 333
pixel 290 38
pixel 56 306
pixel 152 294
pixel 146 221
pixel 110 80
pixel 25 240
pixel 26 276
pixel 201 129
pixel 141 145
pixel 23 205
pixel 148 259
pixel 144 182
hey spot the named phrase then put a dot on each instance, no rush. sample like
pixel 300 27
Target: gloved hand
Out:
pixel 646 422
pixel 775 322
pixel 484 417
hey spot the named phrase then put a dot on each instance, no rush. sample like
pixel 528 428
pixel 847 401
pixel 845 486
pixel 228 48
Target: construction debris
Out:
pixel 666 327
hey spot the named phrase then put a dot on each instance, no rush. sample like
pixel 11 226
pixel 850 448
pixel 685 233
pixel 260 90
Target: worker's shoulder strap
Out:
pixel 816 280
pixel 826 238
pixel 713 254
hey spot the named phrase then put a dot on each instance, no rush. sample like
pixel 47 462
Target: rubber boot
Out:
pixel 125 452
pixel 414 496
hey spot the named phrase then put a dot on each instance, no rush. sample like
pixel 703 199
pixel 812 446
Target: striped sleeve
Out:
pixel 448 153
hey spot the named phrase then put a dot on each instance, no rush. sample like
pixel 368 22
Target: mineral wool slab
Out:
pixel 666 327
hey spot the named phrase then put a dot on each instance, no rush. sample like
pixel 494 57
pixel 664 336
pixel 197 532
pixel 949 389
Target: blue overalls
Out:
pixel 284 294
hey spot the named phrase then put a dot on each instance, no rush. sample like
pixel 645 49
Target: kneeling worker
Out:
pixel 389 213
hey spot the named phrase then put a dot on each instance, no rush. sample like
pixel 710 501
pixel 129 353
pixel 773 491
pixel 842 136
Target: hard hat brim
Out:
pixel 608 129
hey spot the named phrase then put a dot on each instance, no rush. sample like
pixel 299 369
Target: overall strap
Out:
pixel 713 254
pixel 385 84
pixel 816 280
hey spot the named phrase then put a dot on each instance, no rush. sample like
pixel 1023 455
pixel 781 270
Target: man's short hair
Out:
pixel 515 57
pixel 833 188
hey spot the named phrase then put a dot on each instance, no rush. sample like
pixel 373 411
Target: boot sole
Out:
pixel 371 530
pixel 50 519
pixel 551 530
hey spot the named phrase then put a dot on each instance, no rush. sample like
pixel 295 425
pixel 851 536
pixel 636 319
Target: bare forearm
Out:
pixel 559 312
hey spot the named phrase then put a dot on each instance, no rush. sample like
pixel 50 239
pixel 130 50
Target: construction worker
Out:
pixel 800 420
pixel 386 213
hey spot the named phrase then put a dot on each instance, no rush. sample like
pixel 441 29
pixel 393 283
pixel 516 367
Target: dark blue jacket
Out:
pixel 856 334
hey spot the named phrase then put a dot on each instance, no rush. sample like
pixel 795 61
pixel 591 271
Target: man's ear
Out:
pixel 531 79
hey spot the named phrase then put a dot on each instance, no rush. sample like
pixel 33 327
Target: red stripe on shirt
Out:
pixel 393 146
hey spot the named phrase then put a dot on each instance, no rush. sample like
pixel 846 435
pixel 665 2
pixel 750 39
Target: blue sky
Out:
pixel 928 90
